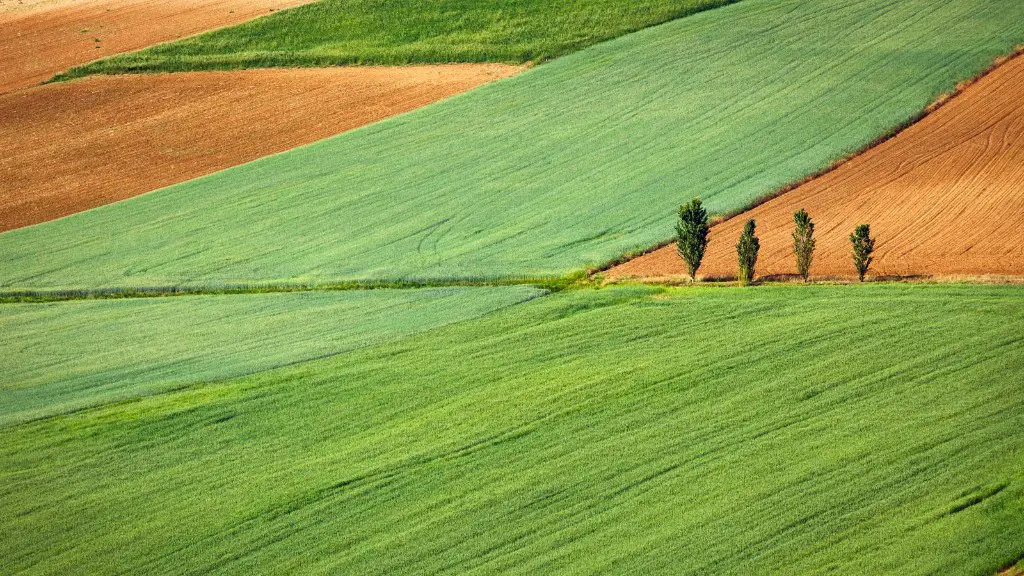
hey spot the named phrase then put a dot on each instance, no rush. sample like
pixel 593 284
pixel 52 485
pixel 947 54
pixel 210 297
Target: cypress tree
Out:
pixel 692 235
pixel 863 247
pixel 803 242
pixel 747 249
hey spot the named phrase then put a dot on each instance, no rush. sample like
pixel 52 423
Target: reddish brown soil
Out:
pixel 43 37
pixel 943 198
pixel 77 145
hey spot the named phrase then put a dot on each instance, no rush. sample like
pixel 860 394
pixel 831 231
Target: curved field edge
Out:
pixel 61 358
pixel 943 196
pixel 46 38
pixel 565 167
pixel 362 32
pixel 78 145
pixel 785 429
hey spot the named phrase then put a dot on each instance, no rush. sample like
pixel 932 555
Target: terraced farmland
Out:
pixel 945 197
pixel 344 32
pixel 568 165
pixel 60 357
pixel 857 429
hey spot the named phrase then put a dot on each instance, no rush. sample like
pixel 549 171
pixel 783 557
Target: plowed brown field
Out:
pixel 43 37
pixel 944 198
pixel 77 145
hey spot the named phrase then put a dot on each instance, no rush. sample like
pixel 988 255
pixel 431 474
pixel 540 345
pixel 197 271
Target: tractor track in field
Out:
pixel 944 198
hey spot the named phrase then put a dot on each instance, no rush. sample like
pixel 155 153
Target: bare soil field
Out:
pixel 77 145
pixel 44 37
pixel 943 198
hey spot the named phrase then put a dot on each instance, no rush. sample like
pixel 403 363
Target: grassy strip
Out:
pixel 575 280
pixel 612 431
pixel 363 32
pixel 57 358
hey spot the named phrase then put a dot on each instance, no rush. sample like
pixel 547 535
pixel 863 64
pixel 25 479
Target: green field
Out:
pixel 779 429
pixel 60 357
pixel 873 429
pixel 339 32
pixel 569 165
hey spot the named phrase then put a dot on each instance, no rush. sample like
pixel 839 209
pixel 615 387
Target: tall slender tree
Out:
pixel 747 250
pixel 803 242
pixel 863 248
pixel 692 235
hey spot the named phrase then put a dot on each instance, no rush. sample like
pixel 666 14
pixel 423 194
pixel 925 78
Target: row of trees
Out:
pixel 692 241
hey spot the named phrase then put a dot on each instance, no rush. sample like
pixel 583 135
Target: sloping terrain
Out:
pixel 42 38
pixel 784 430
pixel 75 146
pixel 945 197
pixel 568 165
pixel 57 358
pixel 344 32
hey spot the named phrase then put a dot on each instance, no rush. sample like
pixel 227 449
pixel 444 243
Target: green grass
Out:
pixel 339 32
pixel 567 166
pixel 873 429
pixel 57 358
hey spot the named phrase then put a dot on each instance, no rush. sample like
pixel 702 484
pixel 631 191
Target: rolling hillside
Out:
pixel 568 165
pixel 346 32
pixel 945 197
pixel 857 430
pixel 382 353
pixel 81 145
pixel 42 38
pixel 78 145
pixel 62 357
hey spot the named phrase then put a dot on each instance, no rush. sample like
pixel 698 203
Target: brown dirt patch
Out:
pixel 944 198
pixel 44 37
pixel 77 145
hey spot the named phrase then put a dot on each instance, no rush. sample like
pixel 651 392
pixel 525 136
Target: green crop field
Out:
pixel 282 417
pixel 874 429
pixel 566 166
pixel 61 357
pixel 338 32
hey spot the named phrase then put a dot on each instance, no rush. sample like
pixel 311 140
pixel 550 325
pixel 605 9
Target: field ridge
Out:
pixel 551 284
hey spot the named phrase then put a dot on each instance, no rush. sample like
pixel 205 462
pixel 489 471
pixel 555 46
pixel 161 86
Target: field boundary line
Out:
pixel 935 106
pixel 551 284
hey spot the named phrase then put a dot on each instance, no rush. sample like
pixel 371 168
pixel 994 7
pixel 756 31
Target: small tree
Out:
pixel 863 247
pixel 692 235
pixel 803 242
pixel 747 249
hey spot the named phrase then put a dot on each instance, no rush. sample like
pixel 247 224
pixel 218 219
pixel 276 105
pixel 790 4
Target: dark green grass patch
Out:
pixel 339 32
pixel 779 430
pixel 61 357
pixel 567 166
